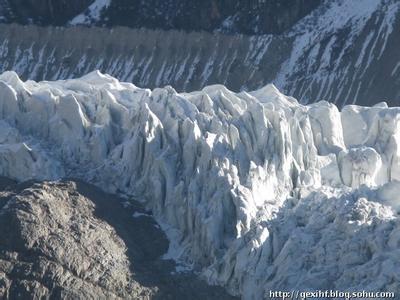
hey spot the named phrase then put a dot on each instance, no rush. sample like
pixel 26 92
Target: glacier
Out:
pixel 258 192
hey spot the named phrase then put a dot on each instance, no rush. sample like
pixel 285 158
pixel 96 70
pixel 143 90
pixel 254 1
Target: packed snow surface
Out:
pixel 259 191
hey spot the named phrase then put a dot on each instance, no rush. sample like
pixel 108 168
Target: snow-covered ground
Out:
pixel 259 191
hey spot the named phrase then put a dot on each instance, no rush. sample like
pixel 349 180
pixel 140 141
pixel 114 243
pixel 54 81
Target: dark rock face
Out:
pixel 44 12
pixel 249 17
pixel 229 16
pixel 68 240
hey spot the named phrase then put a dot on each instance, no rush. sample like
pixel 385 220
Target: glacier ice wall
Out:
pixel 344 52
pixel 261 191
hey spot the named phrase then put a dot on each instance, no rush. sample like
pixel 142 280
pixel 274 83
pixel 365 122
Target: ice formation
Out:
pixel 261 191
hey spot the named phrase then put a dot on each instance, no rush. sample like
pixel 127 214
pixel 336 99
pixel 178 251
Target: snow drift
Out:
pixel 261 192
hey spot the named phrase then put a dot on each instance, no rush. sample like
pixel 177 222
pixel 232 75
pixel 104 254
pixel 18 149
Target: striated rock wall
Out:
pixel 144 57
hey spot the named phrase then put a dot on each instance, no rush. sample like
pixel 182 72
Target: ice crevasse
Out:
pixel 258 191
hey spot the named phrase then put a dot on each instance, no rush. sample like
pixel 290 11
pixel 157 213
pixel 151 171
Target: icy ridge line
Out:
pixel 260 191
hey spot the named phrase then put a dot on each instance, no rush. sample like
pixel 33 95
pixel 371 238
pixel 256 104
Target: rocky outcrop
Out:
pixel 52 244
pixel 68 240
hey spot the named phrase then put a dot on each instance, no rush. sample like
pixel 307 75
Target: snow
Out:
pixel 328 22
pixel 254 190
pixel 139 215
pixel 93 13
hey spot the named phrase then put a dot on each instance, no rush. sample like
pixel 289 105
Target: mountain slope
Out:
pixel 254 190
pixel 249 17
pixel 351 59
